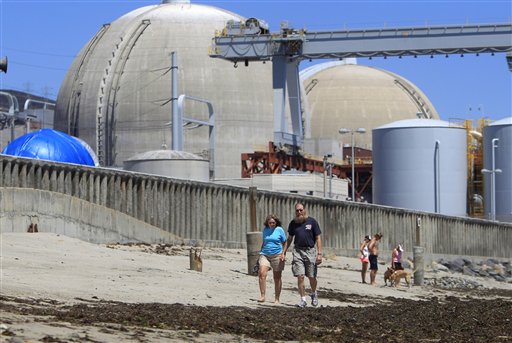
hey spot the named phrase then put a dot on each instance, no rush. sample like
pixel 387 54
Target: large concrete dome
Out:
pixel 352 96
pixel 116 94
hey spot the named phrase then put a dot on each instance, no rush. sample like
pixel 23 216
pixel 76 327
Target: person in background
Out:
pixel 363 249
pixel 374 253
pixel 271 256
pixel 396 258
pixel 305 233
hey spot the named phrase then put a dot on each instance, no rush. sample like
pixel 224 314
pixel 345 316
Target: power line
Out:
pixel 7 86
pixel 38 53
pixel 37 66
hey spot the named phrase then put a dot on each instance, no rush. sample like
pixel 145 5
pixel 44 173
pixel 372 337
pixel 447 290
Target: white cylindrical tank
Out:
pixel 502 131
pixel 171 163
pixel 420 164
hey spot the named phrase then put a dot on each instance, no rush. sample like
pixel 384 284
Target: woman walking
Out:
pixel 271 256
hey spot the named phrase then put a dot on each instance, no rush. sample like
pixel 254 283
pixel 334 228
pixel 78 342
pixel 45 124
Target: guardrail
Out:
pixel 219 215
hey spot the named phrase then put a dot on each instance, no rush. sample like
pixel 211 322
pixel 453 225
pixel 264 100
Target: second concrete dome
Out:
pixel 352 96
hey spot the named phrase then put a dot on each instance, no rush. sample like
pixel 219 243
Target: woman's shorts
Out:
pixel 273 262
pixel 364 259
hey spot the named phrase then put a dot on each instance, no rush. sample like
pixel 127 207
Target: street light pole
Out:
pixel 493 172
pixel 327 165
pixel 330 180
pixel 352 160
pixel 343 131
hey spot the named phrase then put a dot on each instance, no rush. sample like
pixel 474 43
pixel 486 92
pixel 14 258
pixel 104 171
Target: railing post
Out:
pixel 418 265
pixel 254 239
pixel 252 208
pixel 418 251
pixel 418 225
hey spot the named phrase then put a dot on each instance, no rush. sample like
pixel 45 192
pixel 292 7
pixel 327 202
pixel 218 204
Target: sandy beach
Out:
pixel 45 267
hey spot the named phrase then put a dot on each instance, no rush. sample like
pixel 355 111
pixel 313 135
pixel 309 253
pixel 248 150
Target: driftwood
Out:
pixel 196 262
pixel 32 228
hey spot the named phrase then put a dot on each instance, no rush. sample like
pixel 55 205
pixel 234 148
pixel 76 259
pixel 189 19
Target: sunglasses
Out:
pixel 299 210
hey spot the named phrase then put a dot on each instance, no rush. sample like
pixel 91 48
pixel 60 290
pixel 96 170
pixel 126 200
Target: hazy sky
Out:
pixel 42 37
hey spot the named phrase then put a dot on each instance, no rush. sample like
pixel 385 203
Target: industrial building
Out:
pixel 21 113
pixel 117 97
pixel 141 110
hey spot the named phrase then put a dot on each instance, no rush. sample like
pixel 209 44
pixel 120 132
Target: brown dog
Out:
pixel 398 275
pixel 387 275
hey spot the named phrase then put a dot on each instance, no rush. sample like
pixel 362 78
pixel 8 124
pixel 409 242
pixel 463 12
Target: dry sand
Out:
pixel 56 267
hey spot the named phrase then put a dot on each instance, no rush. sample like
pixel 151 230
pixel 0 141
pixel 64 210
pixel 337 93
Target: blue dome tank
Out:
pixel 51 145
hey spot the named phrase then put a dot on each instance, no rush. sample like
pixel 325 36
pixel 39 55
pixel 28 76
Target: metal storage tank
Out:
pixel 420 164
pixel 116 94
pixel 502 131
pixel 172 163
pixel 341 94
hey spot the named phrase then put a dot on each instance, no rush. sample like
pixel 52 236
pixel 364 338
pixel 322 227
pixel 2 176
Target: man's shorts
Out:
pixel 304 262
pixel 272 261
pixel 374 265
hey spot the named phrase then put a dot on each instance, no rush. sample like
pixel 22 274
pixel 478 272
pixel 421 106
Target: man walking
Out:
pixel 306 257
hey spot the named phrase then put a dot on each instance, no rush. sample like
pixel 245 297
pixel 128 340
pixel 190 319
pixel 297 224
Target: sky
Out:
pixel 41 38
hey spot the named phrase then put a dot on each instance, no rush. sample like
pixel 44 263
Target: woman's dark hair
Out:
pixel 275 218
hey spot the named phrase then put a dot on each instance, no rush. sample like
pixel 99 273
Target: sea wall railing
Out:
pixel 219 215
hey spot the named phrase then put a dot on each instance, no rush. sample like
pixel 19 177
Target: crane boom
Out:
pixel 244 43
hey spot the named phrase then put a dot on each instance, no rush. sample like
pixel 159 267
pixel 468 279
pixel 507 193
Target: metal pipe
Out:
pixel 325 176
pixel 177 132
pixel 493 172
pixel 495 142
pixel 210 123
pixel 493 180
pixel 353 169
pixel 437 178
pixel 330 180
pixel 29 102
